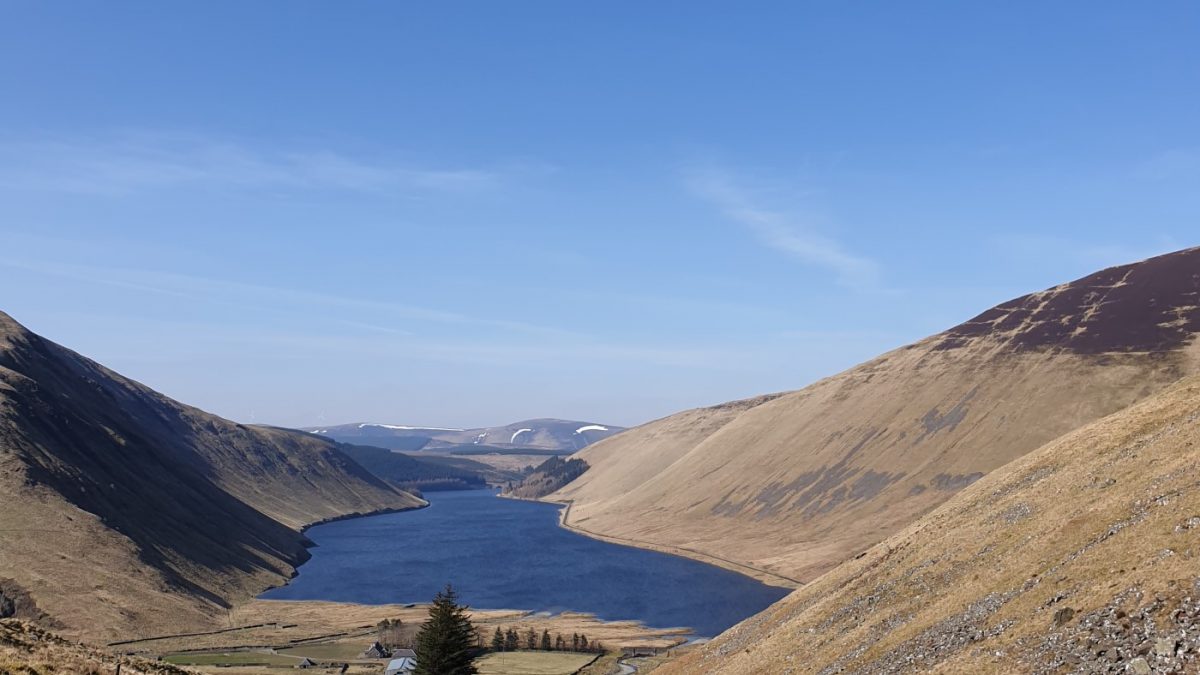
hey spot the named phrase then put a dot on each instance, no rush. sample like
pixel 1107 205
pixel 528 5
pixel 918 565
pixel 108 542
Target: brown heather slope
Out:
pixel 793 484
pixel 26 649
pixel 124 513
pixel 1080 557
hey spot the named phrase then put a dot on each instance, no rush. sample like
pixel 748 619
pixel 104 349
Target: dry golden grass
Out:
pixel 533 663
pixel 28 650
pixel 794 484
pixel 1095 513
pixel 341 631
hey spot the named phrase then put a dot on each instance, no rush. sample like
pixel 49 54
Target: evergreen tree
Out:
pixel 511 640
pixel 545 640
pixel 559 643
pixel 582 642
pixel 574 642
pixel 531 641
pixel 446 641
pixel 498 640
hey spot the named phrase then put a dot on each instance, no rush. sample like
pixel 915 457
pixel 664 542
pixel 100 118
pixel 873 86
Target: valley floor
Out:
pixel 263 635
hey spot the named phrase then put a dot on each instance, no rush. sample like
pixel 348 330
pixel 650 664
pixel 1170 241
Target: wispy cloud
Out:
pixel 788 232
pixel 136 163
pixel 271 298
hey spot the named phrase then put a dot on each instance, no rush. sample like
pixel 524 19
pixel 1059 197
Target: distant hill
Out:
pixel 539 436
pixel 793 484
pixel 548 477
pixel 1081 557
pixel 126 513
pixel 408 472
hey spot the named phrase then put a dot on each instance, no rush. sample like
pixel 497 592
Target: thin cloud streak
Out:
pixel 784 232
pixel 256 296
pixel 146 162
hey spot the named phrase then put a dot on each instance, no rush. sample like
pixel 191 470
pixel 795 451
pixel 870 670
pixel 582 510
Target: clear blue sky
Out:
pixel 454 214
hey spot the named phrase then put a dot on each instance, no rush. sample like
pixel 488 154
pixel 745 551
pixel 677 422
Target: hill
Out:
pixel 1083 556
pixel 29 649
pixel 547 477
pixel 127 513
pixel 545 435
pixel 790 485
pixel 407 472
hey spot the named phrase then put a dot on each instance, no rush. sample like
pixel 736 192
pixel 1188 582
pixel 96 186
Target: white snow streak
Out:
pixel 404 428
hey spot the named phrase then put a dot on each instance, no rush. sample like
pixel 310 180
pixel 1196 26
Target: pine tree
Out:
pixel 446 641
pixel 545 640
pixel 531 641
pixel 583 642
pixel 574 642
pixel 511 640
pixel 559 643
pixel 498 640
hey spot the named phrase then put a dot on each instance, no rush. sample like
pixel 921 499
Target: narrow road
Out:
pixel 626 668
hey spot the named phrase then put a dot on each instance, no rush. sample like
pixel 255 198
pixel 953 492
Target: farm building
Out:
pixel 405 663
pixel 376 651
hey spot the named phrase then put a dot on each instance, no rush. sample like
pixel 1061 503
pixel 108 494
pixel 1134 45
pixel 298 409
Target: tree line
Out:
pixel 508 640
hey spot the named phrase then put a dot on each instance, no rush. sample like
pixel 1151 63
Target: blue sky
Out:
pixel 462 214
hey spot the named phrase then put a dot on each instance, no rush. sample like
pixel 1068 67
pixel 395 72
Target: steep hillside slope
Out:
pixel 125 512
pixel 793 484
pixel 548 435
pixel 1082 557
pixel 26 649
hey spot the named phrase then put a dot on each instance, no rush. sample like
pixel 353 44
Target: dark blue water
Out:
pixel 507 554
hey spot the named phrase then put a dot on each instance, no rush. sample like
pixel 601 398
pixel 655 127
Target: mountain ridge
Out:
pixel 543 434
pixel 792 484
pixel 141 513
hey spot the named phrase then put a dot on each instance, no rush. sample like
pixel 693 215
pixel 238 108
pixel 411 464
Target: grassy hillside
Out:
pixel 30 650
pixel 793 484
pixel 127 513
pixel 1082 557
pixel 405 471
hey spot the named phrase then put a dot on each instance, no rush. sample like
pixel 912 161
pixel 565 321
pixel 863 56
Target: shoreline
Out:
pixel 310 544
pixel 761 575
pixel 359 514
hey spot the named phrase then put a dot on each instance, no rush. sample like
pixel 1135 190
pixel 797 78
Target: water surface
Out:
pixel 507 554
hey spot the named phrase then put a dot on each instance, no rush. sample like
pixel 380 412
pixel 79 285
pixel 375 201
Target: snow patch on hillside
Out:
pixel 404 428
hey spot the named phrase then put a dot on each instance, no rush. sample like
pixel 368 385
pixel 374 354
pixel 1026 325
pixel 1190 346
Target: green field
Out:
pixel 330 651
pixel 231 659
pixel 532 663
